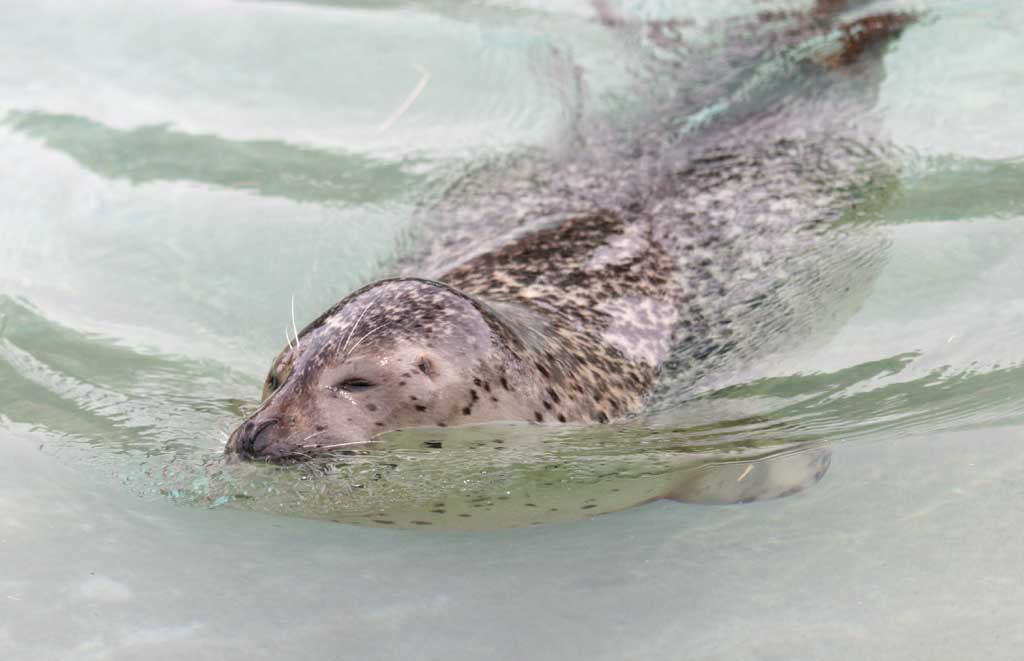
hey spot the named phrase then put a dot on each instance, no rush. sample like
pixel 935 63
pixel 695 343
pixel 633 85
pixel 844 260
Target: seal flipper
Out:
pixel 825 84
pixel 866 35
pixel 733 482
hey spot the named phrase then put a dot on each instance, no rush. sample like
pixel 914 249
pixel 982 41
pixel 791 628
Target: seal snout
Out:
pixel 251 440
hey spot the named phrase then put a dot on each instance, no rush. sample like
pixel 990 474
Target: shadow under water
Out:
pixel 265 167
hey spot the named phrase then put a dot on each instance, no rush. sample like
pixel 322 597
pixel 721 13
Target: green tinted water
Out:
pixel 175 175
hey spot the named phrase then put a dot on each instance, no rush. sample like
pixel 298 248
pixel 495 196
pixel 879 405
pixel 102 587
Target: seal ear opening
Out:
pixel 734 482
pixel 426 366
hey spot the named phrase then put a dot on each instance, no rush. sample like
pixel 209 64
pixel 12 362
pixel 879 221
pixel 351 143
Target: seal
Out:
pixel 601 284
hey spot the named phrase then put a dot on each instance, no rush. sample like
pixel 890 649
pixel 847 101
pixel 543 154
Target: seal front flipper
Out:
pixel 732 482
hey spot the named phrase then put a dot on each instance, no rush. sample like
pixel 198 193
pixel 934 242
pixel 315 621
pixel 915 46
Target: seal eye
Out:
pixel 354 385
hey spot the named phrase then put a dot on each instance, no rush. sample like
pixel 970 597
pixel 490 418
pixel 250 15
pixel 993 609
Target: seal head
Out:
pixel 398 353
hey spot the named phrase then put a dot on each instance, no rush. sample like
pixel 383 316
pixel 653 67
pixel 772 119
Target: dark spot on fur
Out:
pixel 504 384
pixel 433 444
pixel 401 383
pixel 371 407
pixel 547 405
pixel 602 418
pixel 538 416
pixel 420 407
pixel 561 417
pixel 466 410
pixel 554 396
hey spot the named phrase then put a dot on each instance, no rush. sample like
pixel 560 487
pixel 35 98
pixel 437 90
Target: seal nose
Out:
pixel 252 437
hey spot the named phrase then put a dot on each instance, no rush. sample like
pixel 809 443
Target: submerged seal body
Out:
pixel 587 285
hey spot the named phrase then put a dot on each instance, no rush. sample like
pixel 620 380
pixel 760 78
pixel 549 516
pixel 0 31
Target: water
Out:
pixel 176 174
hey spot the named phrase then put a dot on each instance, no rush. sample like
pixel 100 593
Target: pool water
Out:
pixel 179 177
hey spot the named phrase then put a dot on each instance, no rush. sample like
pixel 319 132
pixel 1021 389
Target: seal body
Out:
pixel 568 291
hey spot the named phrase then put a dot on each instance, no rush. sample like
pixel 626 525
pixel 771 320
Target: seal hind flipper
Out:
pixel 733 482
pixel 867 35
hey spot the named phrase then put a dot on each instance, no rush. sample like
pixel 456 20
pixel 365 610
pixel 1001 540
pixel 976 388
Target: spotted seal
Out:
pixel 612 274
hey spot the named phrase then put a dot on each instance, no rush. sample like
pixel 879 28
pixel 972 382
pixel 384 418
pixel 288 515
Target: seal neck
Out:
pixel 564 373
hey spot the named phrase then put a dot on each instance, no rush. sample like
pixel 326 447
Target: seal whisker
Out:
pixel 295 328
pixel 337 445
pixel 359 319
pixel 316 433
pixel 368 334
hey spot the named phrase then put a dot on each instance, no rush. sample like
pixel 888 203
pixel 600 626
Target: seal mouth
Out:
pixel 246 444
pixel 287 453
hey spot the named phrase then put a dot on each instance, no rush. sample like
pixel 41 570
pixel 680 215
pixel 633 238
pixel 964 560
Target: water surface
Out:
pixel 176 175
